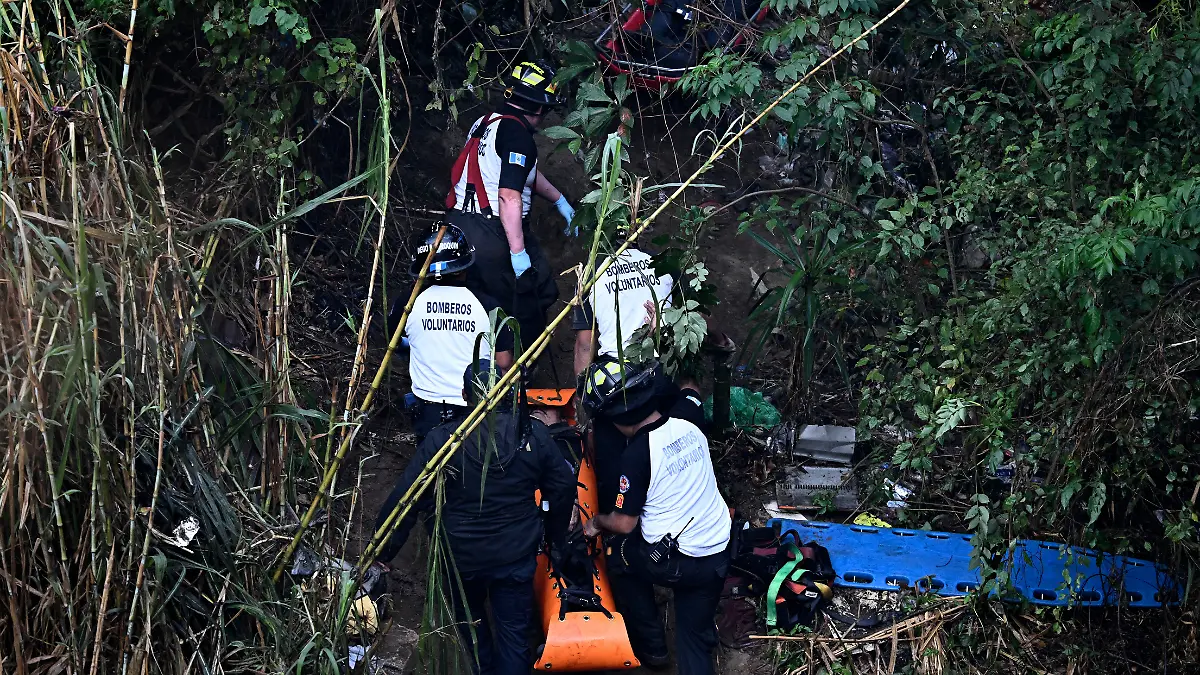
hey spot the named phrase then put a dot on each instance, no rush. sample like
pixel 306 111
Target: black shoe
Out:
pixel 654 662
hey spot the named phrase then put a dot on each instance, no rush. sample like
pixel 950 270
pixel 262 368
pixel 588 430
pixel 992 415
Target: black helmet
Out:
pixel 455 254
pixel 612 389
pixel 532 83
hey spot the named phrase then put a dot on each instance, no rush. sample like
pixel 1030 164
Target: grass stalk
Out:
pixel 340 456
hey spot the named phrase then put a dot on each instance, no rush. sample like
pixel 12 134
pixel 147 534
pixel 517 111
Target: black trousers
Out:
pixel 501 636
pixel 696 585
pixel 528 298
pixel 427 415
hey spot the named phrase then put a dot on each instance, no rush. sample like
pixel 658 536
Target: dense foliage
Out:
pixel 984 228
pixel 1020 186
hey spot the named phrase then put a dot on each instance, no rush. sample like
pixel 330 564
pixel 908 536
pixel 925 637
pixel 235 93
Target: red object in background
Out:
pixel 610 50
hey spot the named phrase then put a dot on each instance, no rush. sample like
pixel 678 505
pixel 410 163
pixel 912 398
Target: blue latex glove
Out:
pixel 520 262
pixel 568 213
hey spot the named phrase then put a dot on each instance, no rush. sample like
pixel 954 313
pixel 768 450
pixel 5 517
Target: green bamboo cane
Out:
pixel 332 469
pixel 442 456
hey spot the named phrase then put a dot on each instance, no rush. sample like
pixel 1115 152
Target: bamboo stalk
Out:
pixel 128 37
pixel 338 458
pixel 141 570
pixel 385 116
pixel 473 419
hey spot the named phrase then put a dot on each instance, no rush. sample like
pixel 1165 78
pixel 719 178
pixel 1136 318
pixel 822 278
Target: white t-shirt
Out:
pixel 669 481
pixel 507 158
pixel 442 329
pixel 616 305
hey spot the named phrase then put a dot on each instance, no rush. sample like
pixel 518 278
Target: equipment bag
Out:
pixel 795 580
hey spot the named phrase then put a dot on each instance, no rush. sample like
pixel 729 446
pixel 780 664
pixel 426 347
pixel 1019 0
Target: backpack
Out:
pixel 796 581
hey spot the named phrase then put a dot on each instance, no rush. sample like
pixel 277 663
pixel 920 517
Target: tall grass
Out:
pixel 146 466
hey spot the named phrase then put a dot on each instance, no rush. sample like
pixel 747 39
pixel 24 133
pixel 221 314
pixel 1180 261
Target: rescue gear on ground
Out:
pixel 583 629
pixel 795 580
pixel 531 87
pixel 616 306
pixel 454 253
pixel 614 390
pixel 520 262
pixel 499 153
pixel 568 213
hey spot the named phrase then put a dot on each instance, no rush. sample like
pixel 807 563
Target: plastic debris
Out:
pixel 869 520
pixel 823 442
pixel 774 510
pixel 900 494
pixel 748 410
pixel 184 533
pixel 357 653
pixel 306 563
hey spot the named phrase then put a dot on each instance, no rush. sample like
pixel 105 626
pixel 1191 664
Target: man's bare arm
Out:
pixel 614 523
pixel 510 219
pixel 585 350
pixel 544 188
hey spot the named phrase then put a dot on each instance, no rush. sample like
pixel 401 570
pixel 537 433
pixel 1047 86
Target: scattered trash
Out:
pixel 900 494
pixel 870 521
pixel 815 487
pixel 823 442
pixel 184 533
pixel 774 510
pixel 364 617
pixel 749 410
pixel 357 653
pixel 306 563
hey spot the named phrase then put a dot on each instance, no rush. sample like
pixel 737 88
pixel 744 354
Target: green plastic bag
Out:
pixel 748 410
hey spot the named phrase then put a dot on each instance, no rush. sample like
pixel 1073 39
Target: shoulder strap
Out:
pixel 777 582
pixel 468 160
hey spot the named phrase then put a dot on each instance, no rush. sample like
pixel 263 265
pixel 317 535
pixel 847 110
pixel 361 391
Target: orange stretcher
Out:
pixel 578 639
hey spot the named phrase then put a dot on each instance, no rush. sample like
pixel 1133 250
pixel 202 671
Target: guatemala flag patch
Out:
pixel 516 158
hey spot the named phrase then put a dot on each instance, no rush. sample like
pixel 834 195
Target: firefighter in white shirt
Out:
pixel 630 294
pixel 491 189
pixel 669 525
pixel 447 324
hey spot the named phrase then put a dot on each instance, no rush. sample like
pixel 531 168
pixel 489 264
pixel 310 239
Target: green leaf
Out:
pixel 1096 501
pixel 286 20
pixel 560 133
pixel 259 14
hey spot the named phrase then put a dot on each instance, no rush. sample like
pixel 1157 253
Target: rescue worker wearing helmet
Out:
pixel 447 324
pixel 490 521
pixel 492 187
pixel 669 525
